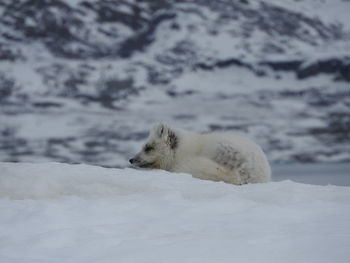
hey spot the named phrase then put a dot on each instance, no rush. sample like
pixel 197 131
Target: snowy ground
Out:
pixel 78 213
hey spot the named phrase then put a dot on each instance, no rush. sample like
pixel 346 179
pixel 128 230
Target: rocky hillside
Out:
pixel 82 81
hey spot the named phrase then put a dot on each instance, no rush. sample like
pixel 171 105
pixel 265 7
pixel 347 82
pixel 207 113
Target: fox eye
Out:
pixel 148 148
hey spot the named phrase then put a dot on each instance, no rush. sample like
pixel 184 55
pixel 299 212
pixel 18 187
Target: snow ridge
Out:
pixel 78 213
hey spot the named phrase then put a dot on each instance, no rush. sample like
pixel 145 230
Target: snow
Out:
pixel 240 100
pixel 331 11
pixel 237 98
pixel 54 212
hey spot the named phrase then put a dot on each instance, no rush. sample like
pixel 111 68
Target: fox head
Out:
pixel 159 150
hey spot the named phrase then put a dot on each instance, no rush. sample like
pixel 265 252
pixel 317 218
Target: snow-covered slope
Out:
pixel 81 81
pixel 78 213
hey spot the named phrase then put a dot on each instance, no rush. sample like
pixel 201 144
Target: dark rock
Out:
pixel 223 64
pixel 7 87
pixel 9 52
pixel 113 89
pixel 337 130
pixel 291 65
pixel 47 105
pixel 328 66
pixel 144 37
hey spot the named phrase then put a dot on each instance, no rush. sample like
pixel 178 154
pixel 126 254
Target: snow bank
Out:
pixel 78 213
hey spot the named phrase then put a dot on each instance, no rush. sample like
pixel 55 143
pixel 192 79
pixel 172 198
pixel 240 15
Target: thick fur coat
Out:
pixel 227 157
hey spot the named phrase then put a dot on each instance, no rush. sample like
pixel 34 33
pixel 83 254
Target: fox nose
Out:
pixel 131 160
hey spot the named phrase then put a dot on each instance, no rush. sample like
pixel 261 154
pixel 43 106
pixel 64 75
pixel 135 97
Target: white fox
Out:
pixel 217 156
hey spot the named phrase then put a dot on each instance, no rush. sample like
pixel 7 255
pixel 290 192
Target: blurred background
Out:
pixel 83 81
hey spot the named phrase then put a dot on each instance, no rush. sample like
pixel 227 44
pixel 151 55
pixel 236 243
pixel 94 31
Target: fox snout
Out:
pixel 135 160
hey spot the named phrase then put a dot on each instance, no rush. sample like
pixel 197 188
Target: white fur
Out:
pixel 227 157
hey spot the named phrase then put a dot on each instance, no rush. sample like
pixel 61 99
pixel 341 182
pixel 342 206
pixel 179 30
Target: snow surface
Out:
pixel 78 213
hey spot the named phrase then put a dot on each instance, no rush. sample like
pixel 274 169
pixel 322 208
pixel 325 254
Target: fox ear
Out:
pixel 161 129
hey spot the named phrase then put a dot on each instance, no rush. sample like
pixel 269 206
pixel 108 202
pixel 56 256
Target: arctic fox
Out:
pixel 217 156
